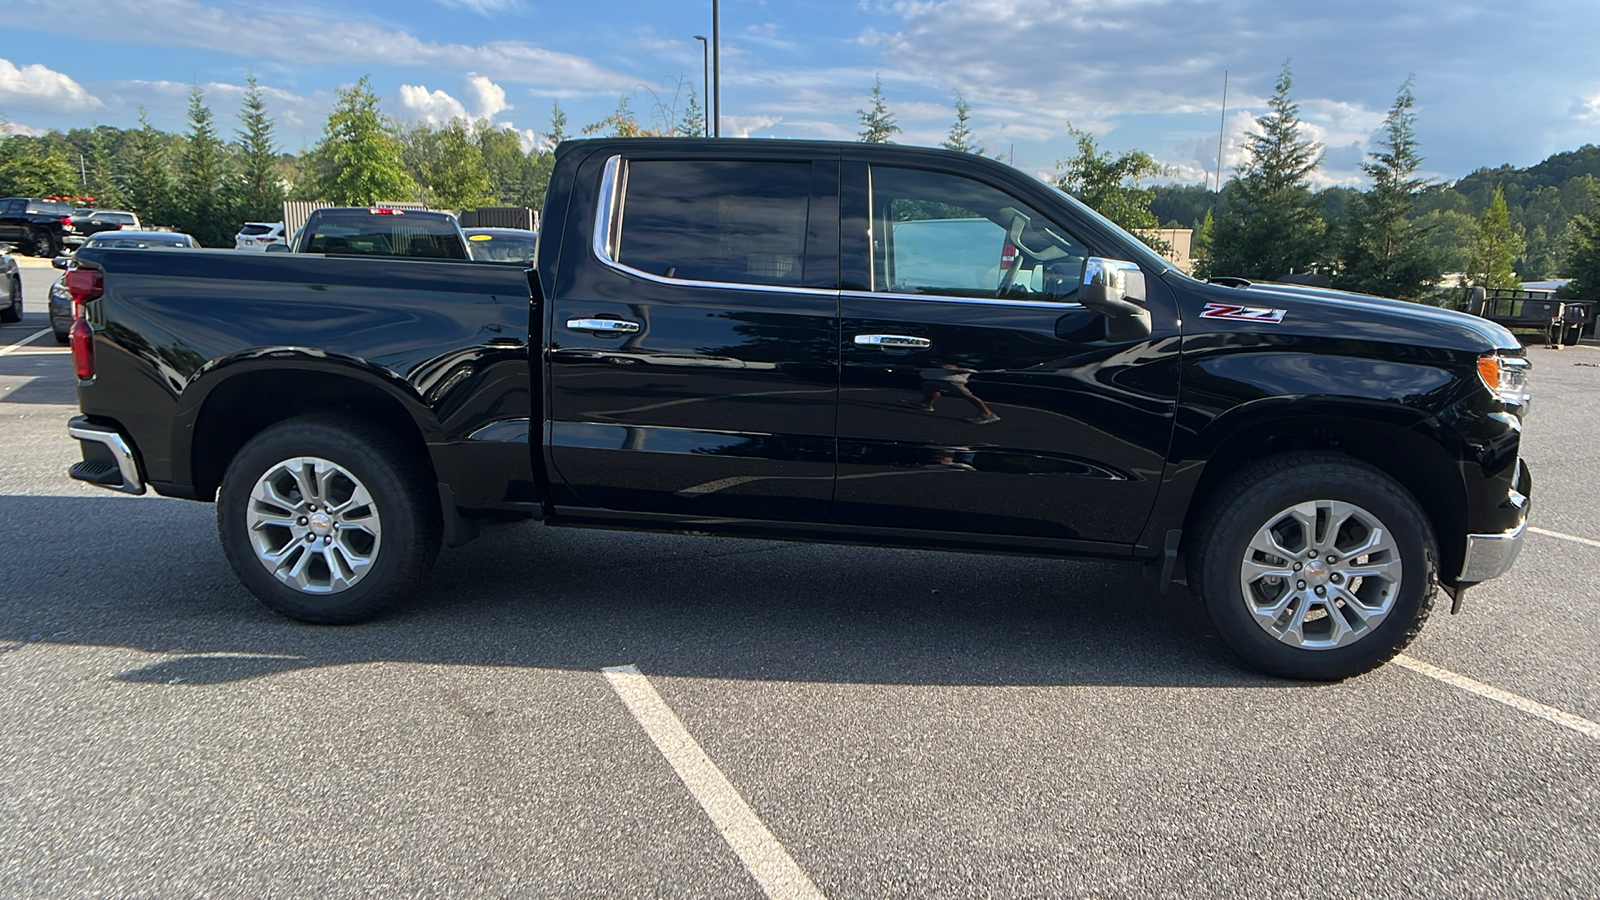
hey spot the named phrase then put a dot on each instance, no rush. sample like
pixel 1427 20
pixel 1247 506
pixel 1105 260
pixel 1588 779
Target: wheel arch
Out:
pixel 1395 442
pixel 237 401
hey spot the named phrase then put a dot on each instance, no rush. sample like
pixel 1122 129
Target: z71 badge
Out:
pixel 1249 313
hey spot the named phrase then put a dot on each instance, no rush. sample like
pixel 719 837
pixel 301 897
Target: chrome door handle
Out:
pixel 609 326
pixel 893 341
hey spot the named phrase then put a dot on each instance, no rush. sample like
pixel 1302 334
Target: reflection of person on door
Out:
pixel 949 378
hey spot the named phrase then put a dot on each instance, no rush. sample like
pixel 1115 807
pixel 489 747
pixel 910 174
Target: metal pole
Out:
pixel 716 69
pixel 705 85
pixel 1222 127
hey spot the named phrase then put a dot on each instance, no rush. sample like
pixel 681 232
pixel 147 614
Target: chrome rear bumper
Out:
pixel 123 476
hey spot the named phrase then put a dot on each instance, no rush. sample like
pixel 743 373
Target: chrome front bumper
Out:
pixel 1491 555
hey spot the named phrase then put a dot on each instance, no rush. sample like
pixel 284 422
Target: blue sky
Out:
pixel 1495 82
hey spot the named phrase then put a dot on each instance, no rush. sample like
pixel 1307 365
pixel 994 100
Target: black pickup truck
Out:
pixel 828 342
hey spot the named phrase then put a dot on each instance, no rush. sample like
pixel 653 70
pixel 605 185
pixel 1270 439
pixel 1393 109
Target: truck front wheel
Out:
pixel 328 520
pixel 1315 566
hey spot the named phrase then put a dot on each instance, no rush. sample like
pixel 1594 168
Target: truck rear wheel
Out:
pixel 1315 566
pixel 328 520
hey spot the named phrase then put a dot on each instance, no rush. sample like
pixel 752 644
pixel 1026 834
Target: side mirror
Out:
pixel 1110 287
pixel 60 262
pixel 278 248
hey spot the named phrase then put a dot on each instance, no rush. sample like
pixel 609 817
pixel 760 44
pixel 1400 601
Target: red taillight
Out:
pixel 84 285
pixel 382 211
pixel 82 347
pixel 67 221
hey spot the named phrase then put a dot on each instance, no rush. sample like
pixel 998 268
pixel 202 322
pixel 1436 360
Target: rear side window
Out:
pixel 734 222
pixel 253 230
pixel 414 237
pixel 50 208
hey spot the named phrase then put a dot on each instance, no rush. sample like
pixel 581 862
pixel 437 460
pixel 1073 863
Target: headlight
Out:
pixel 1506 377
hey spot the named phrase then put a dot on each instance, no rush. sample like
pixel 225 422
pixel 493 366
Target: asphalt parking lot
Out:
pixel 807 720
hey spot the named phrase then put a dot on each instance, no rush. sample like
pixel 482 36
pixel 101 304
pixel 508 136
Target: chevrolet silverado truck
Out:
pixel 847 343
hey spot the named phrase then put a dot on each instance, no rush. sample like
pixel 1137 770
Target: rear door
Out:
pixel 977 396
pixel 11 220
pixel 694 336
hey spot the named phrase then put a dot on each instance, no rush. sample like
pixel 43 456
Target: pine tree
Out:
pixel 877 123
pixel 558 125
pixel 259 191
pixel 1494 246
pixel 201 208
pixel 1385 252
pixel 1109 185
pixel 358 161
pixel 961 139
pixel 144 171
pixel 693 121
pixel 1200 247
pixel 1271 224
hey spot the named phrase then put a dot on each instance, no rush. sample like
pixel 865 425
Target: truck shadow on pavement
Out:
pixel 147 574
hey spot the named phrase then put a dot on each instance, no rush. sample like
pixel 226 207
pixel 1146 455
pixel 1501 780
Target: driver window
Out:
pixel 934 233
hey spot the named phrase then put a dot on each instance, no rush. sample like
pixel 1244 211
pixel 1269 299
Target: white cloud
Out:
pixel 9 127
pixel 296 37
pixel 484 8
pixel 36 87
pixel 741 126
pixel 434 107
pixel 489 99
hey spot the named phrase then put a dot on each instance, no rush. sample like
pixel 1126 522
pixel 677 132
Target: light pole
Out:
pixel 716 70
pixel 705 86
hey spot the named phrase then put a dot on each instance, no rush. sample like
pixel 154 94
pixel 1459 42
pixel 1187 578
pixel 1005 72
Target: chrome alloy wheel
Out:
pixel 313 525
pixel 1321 574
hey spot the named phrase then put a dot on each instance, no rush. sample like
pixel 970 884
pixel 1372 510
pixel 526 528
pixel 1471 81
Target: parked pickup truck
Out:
pixel 847 343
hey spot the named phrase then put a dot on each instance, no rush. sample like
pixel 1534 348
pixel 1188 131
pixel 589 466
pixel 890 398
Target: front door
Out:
pixel 694 338
pixel 977 396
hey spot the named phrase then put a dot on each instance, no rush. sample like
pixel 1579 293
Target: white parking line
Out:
pixel 1565 537
pixel 1515 701
pixel 780 877
pixel 24 342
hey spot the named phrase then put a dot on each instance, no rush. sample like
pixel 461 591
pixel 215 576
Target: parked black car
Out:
pixel 36 227
pixel 96 221
pixel 839 342
pixel 61 298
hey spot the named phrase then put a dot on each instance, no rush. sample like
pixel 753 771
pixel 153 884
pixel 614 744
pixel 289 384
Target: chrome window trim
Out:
pixel 608 228
pixel 980 301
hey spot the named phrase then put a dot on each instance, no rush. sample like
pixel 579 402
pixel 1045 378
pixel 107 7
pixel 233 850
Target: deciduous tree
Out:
pixel 358 161
pixel 1110 186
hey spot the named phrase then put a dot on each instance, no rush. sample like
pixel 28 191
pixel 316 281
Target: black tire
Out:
pixel 62 337
pixel 13 313
pixel 43 244
pixel 1249 501
pixel 404 500
pixel 1571 336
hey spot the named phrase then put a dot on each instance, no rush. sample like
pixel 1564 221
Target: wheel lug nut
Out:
pixel 311 538
pixel 1321 591
pixel 1332 558
pixel 312 508
pixel 1301 585
pixel 1337 578
pixel 303 520
pixel 1296 565
pixel 327 539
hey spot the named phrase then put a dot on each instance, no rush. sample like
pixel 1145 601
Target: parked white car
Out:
pixel 258 235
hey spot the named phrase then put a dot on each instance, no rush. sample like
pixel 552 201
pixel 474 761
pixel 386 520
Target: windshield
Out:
pixel 517 248
pixel 1139 250
pixel 417 237
pixel 127 243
